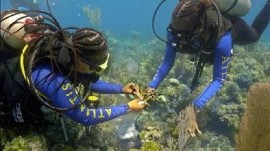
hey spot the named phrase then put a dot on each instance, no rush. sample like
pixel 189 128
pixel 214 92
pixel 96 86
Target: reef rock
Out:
pixel 174 81
pixel 128 136
pixel 132 66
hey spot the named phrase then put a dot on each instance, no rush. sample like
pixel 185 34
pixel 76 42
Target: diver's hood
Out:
pixel 12 29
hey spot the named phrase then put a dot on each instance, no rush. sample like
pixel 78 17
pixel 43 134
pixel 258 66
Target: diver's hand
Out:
pixel 131 88
pixel 136 105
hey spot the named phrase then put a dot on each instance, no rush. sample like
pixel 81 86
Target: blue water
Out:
pixel 120 17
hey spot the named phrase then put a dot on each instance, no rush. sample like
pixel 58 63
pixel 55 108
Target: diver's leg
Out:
pixel 262 20
pixel 243 34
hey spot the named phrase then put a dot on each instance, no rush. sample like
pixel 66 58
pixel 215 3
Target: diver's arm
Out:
pixel 106 87
pixel 59 90
pixel 223 53
pixel 167 62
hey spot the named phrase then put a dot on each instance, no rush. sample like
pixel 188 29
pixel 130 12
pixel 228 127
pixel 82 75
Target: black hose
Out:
pixel 48 6
pixel 153 22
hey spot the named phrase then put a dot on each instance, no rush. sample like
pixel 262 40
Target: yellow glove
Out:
pixel 136 105
pixel 132 88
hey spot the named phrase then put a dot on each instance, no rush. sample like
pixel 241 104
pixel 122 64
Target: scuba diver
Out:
pixel 42 64
pixel 198 28
pixel 25 4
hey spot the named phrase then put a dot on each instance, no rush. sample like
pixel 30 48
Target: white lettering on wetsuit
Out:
pixel 17 114
pixel 72 95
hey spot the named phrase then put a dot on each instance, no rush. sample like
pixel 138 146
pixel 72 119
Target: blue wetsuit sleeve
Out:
pixel 222 58
pixel 167 63
pixel 62 95
pixel 106 87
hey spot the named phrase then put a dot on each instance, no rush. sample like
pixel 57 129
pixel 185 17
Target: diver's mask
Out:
pixel 97 67
pixel 191 41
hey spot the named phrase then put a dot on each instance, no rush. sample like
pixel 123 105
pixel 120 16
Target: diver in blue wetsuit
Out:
pixel 197 27
pixel 42 64
pixel 25 4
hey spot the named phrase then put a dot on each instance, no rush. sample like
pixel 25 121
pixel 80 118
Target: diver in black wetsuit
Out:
pixel 244 34
pixel 25 4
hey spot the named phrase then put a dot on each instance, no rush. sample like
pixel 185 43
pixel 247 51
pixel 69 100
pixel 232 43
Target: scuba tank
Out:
pixel 12 28
pixel 234 7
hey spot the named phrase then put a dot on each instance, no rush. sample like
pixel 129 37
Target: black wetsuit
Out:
pixel 244 34
pixel 16 100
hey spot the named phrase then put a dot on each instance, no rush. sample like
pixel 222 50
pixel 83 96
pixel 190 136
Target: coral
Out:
pixel 30 142
pixel 171 144
pixel 18 143
pixel 231 114
pixel 150 146
pixel 247 71
pixel 187 125
pixel 174 81
pixel 209 141
pixel 151 133
pixel 254 131
pixel 93 14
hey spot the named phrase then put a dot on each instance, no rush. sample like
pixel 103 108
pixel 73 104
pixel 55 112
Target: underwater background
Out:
pixel 120 17
pixel 136 54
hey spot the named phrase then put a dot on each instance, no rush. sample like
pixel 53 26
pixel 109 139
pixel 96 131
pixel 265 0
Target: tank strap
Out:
pixel 199 69
pixel 234 3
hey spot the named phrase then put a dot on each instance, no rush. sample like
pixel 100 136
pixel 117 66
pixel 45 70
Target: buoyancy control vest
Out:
pixel 17 104
pixel 203 39
pixel 79 81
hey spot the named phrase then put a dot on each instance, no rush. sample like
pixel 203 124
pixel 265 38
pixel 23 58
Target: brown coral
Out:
pixel 254 134
pixel 188 125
